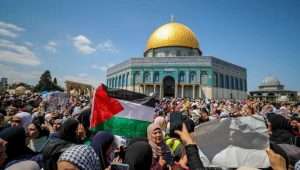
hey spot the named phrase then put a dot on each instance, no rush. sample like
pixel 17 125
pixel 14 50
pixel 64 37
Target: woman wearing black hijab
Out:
pixel 16 148
pixel 139 156
pixel 68 130
pixel 66 137
pixel 103 144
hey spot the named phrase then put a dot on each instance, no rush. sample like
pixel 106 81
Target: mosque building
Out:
pixel 173 66
pixel 272 90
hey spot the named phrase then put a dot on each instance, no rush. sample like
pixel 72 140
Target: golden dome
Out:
pixel 172 34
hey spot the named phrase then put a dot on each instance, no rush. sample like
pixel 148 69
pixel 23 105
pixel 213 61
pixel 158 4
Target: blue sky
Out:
pixel 78 40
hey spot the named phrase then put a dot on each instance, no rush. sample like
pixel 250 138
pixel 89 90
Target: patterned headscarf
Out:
pixel 82 156
pixel 297 165
pixel 158 149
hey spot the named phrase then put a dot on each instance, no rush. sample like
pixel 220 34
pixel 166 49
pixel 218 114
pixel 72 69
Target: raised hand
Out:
pixel 185 135
pixel 277 161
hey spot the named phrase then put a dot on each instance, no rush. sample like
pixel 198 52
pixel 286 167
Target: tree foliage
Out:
pixel 46 83
pixel 55 81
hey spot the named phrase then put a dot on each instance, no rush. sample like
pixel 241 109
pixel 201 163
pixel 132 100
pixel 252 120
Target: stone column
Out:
pixel 176 89
pixel 83 91
pixel 160 91
pixel 193 91
pixel 89 92
pixel 144 88
pixel 182 91
pixel 200 92
pixel 154 88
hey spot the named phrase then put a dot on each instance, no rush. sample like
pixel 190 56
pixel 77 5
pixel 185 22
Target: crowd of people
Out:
pixel 31 137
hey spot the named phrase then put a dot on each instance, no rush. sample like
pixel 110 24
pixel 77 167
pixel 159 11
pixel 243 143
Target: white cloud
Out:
pixel 83 75
pixel 29 44
pixel 9 30
pixel 10 26
pixel 7 33
pixel 16 74
pixel 82 78
pixel 97 67
pixel 107 46
pixel 101 68
pixel 83 44
pixel 86 46
pixel 15 53
pixel 51 46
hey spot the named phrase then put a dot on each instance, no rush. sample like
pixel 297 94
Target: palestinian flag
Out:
pixel 121 112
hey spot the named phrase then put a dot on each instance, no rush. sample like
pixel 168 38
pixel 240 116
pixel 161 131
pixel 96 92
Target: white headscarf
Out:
pixel 25 117
pixel 29 165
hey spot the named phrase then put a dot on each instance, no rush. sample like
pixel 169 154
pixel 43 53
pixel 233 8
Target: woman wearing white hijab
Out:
pixel 21 119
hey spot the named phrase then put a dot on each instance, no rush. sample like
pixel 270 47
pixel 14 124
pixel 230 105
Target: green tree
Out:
pixel 55 81
pixel 46 83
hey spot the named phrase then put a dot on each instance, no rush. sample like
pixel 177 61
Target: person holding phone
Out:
pixel 161 154
pixel 191 149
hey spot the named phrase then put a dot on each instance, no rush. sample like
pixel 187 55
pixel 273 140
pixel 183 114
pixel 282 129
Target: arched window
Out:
pixel 136 77
pixel 119 81
pixel 127 76
pixel 146 76
pixel 192 76
pixel 227 82
pixel 221 80
pixel 156 76
pixel 114 82
pixel 167 52
pixel 236 84
pixel 109 83
pixel 204 77
pixel 181 76
pixel 215 79
pixel 123 80
pixel 232 83
pixel 241 84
